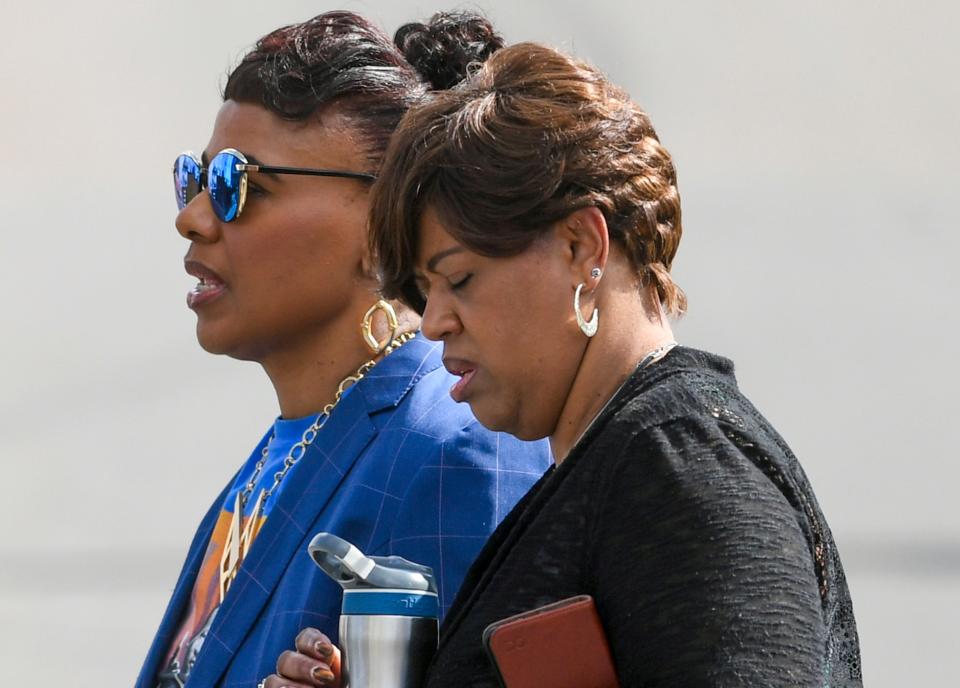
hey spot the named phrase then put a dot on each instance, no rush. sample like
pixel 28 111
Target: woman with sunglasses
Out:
pixel 673 502
pixel 368 444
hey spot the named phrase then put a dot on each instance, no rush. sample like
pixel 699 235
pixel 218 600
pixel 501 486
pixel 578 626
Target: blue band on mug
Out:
pixel 389 603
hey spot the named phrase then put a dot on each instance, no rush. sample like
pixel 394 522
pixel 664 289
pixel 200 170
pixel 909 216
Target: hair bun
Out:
pixel 443 49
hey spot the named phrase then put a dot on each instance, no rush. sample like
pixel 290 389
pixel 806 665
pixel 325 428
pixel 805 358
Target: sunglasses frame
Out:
pixel 244 167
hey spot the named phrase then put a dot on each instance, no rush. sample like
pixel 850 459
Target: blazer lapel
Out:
pixel 181 595
pixel 310 486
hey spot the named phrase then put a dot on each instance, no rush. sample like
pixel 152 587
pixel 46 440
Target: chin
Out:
pixel 220 343
pixel 498 421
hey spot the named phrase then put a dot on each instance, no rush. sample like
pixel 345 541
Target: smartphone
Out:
pixel 561 645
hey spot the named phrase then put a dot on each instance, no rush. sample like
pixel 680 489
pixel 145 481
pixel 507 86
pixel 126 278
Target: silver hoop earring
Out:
pixel 588 328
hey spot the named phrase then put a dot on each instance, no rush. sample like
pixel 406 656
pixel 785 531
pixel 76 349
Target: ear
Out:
pixel 366 263
pixel 366 278
pixel 587 243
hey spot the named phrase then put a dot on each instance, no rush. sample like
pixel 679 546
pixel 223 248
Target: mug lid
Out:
pixel 352 569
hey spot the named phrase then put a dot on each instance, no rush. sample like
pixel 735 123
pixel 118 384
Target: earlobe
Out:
pixel 368 276
pixel 366 264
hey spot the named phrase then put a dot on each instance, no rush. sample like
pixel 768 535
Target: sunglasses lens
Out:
pixel 186 179
pixel 224 186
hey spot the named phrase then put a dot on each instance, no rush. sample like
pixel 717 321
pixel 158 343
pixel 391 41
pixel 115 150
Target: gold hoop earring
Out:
pixel 588 328
pixel 366 327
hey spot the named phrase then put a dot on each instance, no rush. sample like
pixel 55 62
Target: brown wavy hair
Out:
pixel 530 137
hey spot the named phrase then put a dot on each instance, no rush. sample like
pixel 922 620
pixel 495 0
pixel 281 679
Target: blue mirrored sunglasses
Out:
pixel 226 179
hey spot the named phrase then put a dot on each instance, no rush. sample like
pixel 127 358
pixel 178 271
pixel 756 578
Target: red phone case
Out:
pixel 560 645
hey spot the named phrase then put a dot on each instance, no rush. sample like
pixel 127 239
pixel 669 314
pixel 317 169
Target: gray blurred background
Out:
pixel 817 147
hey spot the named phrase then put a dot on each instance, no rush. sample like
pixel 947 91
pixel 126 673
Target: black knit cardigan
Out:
pixel 691 523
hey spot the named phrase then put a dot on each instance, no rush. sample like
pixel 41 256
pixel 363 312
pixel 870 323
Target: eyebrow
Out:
pixel 437 257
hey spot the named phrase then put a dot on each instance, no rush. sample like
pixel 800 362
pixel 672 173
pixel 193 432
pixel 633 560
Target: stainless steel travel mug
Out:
pixel 388 622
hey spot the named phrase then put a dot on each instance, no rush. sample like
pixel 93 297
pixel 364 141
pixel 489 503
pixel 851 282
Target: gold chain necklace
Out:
pixel 239 540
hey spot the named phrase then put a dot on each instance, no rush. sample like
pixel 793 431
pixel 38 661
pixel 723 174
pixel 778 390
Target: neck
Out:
pixel 306 378
pixel 630 328
pixel 306 373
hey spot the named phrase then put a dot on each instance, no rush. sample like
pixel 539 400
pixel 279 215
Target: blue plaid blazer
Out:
pixel 398 469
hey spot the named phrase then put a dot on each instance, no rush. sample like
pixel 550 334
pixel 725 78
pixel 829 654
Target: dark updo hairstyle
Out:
pixel 341 58
pixel 527 139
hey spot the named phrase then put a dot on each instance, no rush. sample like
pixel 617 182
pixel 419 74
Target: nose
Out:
pixel 197 222
pixel 439 321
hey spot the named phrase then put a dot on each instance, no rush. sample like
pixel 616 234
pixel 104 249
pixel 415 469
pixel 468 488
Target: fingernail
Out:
pixel 323 648
pixel 321 674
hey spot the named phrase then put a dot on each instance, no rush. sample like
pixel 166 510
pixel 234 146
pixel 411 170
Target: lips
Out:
pixel 463 369
pixel 210 286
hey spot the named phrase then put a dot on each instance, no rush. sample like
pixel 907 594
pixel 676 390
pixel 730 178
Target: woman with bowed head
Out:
pixel 532 216
pixel 368 444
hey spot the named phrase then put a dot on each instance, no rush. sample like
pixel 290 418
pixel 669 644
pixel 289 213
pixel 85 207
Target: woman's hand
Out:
pixel 316 662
